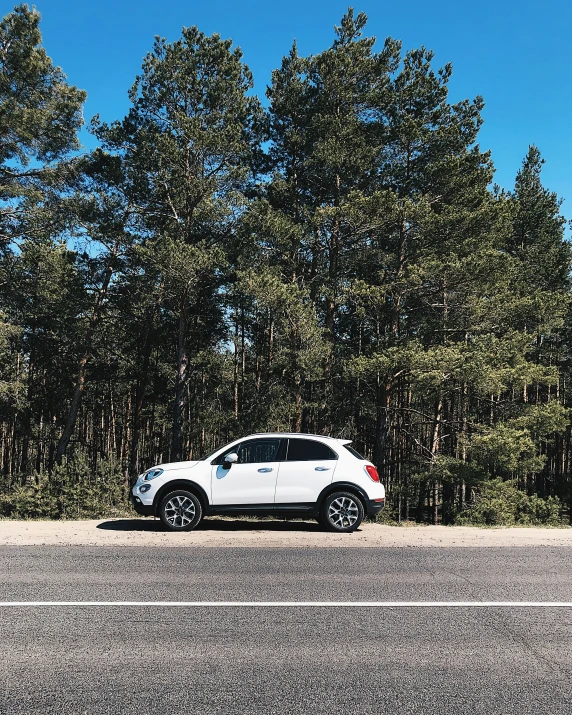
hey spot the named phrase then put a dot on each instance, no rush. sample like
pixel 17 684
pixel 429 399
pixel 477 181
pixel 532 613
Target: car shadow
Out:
pixel 149 524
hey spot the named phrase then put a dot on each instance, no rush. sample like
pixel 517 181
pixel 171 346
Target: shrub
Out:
pixel 388 515
pixel 72 491
pixel 500 503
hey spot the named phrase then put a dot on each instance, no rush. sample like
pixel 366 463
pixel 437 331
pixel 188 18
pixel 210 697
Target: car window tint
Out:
pixel 222 455
pixel 257 451
pixel 304 450
pixel 354 452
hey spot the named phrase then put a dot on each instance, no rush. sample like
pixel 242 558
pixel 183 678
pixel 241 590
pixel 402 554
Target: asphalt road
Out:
pixel 139 659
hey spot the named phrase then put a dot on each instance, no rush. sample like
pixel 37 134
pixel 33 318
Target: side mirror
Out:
pixel 231 458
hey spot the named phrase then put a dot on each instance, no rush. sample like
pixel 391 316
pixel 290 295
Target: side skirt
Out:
pixel 294 509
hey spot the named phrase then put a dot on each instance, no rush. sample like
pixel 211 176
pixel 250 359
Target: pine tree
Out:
pixel 538 229
pixel 187 144
pixel 100 212
pixel 543 259
pixel 40 115
pixel 355 275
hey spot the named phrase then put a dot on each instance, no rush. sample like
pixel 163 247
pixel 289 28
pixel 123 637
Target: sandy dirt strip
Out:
pixel 224 532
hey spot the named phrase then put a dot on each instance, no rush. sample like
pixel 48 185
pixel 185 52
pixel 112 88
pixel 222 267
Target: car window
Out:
pixel 304 450
pixel 354 452
pixel 256 451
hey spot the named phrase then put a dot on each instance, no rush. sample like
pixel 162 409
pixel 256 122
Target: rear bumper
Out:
pixel 374 506
pixel 140 508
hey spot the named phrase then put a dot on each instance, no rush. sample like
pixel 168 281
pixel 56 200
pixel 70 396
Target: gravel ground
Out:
pixel 221 532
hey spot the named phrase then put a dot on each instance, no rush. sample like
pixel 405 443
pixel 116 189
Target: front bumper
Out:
pixel 140 508
pixel 374 506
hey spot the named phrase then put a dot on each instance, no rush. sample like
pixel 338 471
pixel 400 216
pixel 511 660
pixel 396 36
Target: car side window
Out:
pixel 306 450
pixel 257 451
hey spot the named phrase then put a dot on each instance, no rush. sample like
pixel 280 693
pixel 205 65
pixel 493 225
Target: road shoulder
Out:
pixel 149 532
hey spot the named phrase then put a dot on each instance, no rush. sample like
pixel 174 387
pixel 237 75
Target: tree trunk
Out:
pixel 140 394
pixel 181 379
pixel 383 396
pixel 236 366
pixel 434 451
pixel 74 409
pixel 82 364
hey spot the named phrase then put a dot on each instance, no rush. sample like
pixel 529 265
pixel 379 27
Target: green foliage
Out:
pixel 336 263
pixel 507 449
pixel 388 516
pixel 500 503
pixel 189 136
pixel 73 491
pixel 40 115
pixel 188 147
pixel 537 229
pixel 11 386
pixel 451 470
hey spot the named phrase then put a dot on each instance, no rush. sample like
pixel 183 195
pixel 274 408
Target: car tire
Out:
pixel 342 512
pixel 180 511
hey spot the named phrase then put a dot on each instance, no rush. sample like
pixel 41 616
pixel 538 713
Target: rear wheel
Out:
pixel 342 511
pixel 180 511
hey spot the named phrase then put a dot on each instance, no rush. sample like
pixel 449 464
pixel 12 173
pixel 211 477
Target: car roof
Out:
pixel 299 435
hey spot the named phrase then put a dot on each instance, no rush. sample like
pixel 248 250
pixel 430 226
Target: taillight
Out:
pixel 372 472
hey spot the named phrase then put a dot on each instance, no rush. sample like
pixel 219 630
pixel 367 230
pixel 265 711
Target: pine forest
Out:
pixel 332 256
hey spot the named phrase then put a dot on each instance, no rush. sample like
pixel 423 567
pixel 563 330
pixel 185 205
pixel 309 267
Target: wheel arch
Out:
pixel 342 486
pixel 186 484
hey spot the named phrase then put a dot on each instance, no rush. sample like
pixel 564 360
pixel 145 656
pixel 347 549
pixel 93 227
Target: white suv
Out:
pixel 265 474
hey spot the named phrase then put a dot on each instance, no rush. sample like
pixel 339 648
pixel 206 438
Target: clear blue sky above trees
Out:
pixel 516 53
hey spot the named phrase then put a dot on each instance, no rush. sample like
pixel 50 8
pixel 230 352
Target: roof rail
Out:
pixel 295 434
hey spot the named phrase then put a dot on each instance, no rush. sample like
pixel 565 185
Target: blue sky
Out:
pixel 516 54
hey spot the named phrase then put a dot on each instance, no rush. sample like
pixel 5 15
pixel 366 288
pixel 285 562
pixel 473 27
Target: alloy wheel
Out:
pixel 180 511
pixel 343 512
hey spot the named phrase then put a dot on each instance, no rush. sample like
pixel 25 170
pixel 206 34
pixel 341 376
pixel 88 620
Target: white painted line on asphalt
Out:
pixel 299 604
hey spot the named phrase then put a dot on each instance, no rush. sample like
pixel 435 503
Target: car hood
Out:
pixel 179 465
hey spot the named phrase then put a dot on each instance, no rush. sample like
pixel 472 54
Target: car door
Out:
pixel 250 480
pixel 309 466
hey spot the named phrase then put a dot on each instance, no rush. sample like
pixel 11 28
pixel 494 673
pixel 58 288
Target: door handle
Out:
pixel 322 469
pixel 265 469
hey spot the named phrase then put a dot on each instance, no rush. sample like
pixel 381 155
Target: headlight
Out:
pixel 144 488
pixel 152 473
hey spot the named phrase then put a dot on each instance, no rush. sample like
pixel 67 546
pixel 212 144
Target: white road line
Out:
pixel 298 604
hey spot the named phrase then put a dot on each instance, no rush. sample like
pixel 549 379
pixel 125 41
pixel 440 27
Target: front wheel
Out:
pixel 180 511
pixel 342 511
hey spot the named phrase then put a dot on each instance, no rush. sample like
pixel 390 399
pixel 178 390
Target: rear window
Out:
pixel 354 452
pixel 306 450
